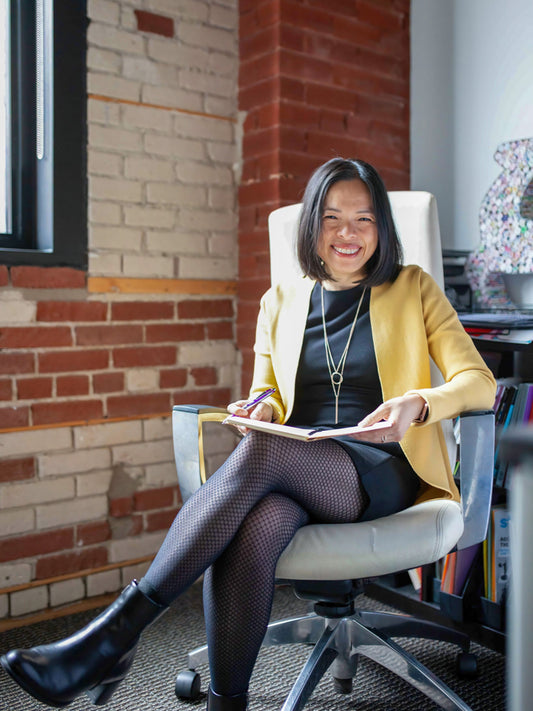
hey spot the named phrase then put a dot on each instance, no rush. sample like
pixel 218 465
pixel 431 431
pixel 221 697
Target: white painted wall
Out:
pixel 432 149
pixel 471 89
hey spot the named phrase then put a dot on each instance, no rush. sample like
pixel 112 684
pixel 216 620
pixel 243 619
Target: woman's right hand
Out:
pixel 262 411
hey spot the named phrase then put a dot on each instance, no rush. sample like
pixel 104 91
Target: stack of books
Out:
pixel 513 406
pixel 506 326
pixel 456 569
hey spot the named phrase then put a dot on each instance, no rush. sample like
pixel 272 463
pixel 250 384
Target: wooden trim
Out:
pixel 89 603
pixel 162 107
pixel 85 423
pixel 128 285
pixel 77 574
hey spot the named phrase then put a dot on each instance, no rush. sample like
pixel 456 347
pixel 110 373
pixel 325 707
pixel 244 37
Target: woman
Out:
pixel 349 343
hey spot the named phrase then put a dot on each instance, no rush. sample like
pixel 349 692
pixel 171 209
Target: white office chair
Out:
pixel 348 553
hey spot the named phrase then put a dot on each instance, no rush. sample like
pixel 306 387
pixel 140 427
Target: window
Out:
pixel 43 174
pixel 5 113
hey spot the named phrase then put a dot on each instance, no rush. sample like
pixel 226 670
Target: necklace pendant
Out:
pixel 336 371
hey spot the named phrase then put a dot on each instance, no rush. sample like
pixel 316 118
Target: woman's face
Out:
pixel 349 234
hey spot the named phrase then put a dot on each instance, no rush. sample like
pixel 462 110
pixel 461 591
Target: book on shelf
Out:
pixel 513 405
pixel 528 410
pixel 514 335
pixel 507 401
pixel 504 335
pixel 496 556
pixel 447 581
pixel 306 435
pixel 457 568
pixel 415 575
pixel 497 320
pixel 504 326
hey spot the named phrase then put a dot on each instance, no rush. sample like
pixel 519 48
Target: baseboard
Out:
pixel 85 603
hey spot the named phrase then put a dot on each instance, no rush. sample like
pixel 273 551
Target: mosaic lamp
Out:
pixel 500 269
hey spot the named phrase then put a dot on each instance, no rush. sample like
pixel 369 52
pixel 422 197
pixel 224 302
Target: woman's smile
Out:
pixel 346 250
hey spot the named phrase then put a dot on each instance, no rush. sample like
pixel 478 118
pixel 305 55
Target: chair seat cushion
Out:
pixel 421 534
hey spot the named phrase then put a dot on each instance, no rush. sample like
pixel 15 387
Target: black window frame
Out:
pixel 49 201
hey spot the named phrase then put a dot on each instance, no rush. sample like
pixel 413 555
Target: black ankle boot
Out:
pixel 215 702
pixel 93 660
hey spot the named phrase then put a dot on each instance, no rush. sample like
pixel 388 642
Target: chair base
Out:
pixel 339 641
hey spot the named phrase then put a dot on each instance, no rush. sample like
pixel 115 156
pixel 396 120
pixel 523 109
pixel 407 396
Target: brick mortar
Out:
pixel 164 166
pixel 74 576
pixel 339 93
pixel 162 151
pixel 177 109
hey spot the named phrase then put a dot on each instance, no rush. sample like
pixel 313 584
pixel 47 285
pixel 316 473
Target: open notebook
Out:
pixel 299 432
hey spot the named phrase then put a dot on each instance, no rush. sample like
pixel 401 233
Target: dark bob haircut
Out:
pixel 384 265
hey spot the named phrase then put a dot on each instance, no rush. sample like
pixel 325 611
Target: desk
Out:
pixel 516 358
pixel 517 447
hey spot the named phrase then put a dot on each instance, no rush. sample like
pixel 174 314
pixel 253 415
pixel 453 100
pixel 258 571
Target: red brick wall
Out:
pixel 317 80
pixel 91 364
pixel 69 364
pixel 82 547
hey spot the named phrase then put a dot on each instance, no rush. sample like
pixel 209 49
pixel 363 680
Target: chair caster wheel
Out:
pixel 188 685
pixel 466 665
pixel 343 686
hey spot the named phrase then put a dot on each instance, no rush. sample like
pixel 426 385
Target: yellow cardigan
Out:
pixel 411 320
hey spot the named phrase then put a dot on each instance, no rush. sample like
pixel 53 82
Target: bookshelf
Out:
pixel 482 619
pixel 399 593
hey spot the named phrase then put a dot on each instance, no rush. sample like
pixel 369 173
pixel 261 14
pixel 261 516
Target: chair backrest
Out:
pixel 416 217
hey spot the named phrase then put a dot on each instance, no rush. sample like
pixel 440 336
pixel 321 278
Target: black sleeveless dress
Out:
pixel 387 476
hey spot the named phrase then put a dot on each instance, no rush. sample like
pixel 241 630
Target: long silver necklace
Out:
pixel 336 371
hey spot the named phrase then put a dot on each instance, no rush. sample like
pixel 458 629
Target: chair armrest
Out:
pixel 476 461
pixel 187 434
pixel 476 455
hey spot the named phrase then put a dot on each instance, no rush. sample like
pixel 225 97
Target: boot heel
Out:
pixel 101 694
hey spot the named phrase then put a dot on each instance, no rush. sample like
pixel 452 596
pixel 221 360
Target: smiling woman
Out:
pixel 349 235
pixel 346 233
pixel 329 359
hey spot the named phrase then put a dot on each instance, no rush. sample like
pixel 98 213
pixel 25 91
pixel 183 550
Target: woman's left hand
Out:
pixel 399 413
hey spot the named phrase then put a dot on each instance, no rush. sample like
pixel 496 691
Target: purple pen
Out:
pixel 250 404
pixel 259 398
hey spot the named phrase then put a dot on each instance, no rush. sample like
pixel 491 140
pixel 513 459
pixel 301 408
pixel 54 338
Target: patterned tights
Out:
pixel 236 526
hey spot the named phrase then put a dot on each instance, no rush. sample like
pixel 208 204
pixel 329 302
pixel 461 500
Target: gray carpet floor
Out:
pixel 163 652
